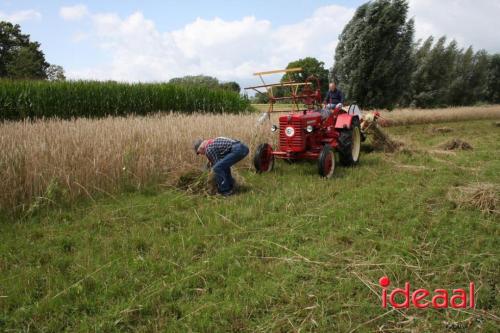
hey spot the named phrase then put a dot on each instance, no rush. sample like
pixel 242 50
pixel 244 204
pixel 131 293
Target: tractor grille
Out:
pixel 297 141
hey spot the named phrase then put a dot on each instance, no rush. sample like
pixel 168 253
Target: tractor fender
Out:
pixel 344 120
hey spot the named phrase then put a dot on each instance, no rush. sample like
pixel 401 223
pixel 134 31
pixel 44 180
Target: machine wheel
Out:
pixel 350 144
pixel 263 159
pixel 326 162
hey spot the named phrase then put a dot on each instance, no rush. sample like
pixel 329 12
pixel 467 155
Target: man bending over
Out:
pixel 222 154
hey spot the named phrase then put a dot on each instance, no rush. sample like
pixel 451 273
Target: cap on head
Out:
pixel 197 144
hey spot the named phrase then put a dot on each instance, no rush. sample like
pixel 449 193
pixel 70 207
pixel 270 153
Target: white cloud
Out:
pixel 315 36
pixel 233 50
pixel 79 36
pixel 73 13
pixel 473 23
pixel 229 50
pixel 21 16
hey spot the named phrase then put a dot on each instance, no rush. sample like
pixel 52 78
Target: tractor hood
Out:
pixel 293 130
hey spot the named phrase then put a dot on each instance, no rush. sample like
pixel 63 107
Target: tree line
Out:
pixel 206 81
pixel 21 58
pixel 379 65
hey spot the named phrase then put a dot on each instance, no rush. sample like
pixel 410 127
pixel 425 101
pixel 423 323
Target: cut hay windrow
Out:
pixel 197 181
pixel 482 196
pixel 379 139
pixel 456 144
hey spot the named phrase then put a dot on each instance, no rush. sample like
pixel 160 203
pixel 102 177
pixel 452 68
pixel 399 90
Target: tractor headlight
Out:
pixel 309 129
pixel 274 128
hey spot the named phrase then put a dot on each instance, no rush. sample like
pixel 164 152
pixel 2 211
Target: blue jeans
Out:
pixel 222 168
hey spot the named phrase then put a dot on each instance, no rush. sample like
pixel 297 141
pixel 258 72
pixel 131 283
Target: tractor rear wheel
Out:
pixel 263 159
pixel 350 144
pixel 326 162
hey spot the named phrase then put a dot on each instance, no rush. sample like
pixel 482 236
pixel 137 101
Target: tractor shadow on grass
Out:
pixel 367 148
pixel 242 189
pixel 309 168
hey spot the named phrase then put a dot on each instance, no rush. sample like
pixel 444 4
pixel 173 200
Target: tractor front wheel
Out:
pixel 263 159
pixel 326 162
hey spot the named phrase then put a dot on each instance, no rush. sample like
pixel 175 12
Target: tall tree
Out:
pixel 459 92
pixel 373 59
pixel 310 66
pixel 203 80
pixel 418 82
pixel 445 75
pixel 494 79
pixel 19 57
pixel 55 73
pixel 435 70
pixel 232 86
pixel 478 82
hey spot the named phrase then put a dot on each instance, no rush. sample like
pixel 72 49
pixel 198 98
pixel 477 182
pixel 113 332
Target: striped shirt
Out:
pixel 217 148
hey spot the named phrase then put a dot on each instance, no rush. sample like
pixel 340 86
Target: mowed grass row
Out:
pixel 292 253
pixel 71 99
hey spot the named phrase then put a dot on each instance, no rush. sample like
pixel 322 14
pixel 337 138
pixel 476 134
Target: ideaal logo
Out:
pixel 460 298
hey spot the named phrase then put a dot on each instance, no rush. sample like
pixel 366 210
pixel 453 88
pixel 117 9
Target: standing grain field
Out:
pixel 43 160
pixel 86 156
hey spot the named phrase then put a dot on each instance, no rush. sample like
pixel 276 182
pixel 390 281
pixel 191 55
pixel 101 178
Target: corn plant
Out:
pixel 91 99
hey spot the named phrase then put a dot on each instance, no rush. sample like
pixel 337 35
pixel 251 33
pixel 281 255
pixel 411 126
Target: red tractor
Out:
pixel 310 133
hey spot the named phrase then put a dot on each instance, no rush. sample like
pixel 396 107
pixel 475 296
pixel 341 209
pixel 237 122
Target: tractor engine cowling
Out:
pixel 293 135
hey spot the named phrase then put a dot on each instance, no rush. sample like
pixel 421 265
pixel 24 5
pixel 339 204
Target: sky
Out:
pixel 150 41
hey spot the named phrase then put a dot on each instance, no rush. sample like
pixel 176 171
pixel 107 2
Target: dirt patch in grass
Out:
pixel 456 144
pixel 482 196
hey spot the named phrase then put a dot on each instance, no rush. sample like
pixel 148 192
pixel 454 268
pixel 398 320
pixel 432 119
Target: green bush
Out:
pixel 36 99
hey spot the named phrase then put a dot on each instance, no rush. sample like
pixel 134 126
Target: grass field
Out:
pixel 291 253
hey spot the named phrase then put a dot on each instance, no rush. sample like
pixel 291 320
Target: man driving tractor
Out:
pixel 333 97
pixel 222 154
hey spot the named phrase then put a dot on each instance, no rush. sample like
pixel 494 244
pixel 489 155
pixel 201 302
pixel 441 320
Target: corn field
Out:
pixel 71 99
